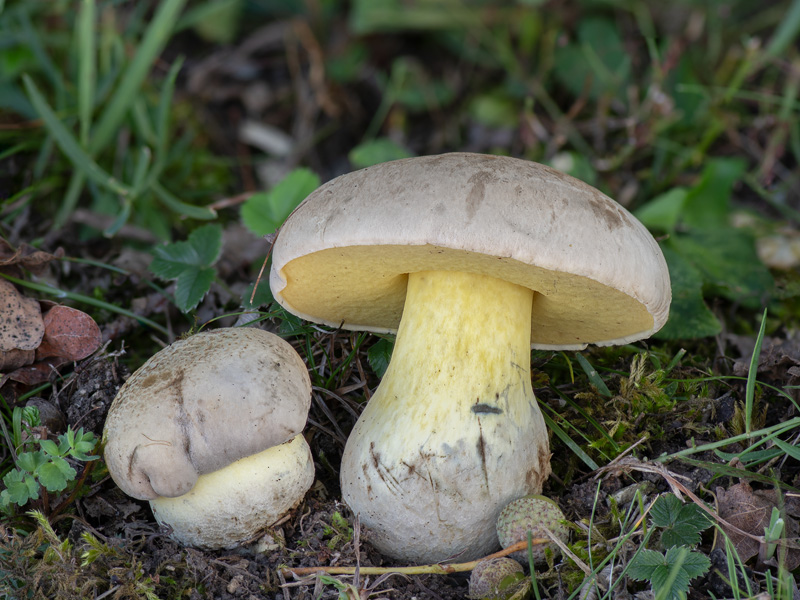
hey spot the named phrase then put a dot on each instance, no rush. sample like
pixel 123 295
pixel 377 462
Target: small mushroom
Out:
pixel 209 431
pixel 471 259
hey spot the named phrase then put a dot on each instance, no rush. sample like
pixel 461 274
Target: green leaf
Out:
pixel 707 204
pixel 644 565
pixel 379 355
pixel 728 261
pixel 50 447
pixel 662 212
pixel 191 286
pixel 681 523
pixel 189 263
pixel 597 57
pixel 376 151
pixel 263 213
pixel 263 295
pixel 694 565
pixel 56 474
pixel 31 461
pixel 670 574
pixel 20 488
pixel 689 317
pixel 200 250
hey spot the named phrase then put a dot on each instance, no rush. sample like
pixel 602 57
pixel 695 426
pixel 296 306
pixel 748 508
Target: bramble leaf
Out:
pixel 669 574
pixel 681 523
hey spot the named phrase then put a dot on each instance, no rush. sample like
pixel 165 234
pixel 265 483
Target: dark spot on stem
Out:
pixel 482 409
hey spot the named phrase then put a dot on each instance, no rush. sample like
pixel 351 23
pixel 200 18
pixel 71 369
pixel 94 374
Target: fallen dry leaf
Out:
pixel 21 323
pixel 68 333
pixel 750 510
pixel 26 257
pixel 36 373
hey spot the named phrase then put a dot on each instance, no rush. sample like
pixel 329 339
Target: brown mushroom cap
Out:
pixel 343 256
pixel 199 405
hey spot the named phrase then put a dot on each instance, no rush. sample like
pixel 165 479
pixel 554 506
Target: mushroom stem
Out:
pixel 453 432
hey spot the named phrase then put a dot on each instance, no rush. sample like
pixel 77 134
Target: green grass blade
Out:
pixel 68 144
pixel 594 376
pixel 87 71
pixel 152 43
pixel 34 43
pixel 787 31
pixel 70 200
pixel 164 106
pixel 140 174
pixel 188 210
pixel 751 376
pixel 576 449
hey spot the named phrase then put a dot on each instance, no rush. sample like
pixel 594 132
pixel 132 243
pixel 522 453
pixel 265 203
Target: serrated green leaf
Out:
pixel 379 355
pixel 265 212
pixel 681 523
pixel 20 487
pixel 669 574
pixel 207 242
pixel 200 250
pixel 56 474
pixel 644 564
pixel 173 259
pixel 694 564
pixel 191 286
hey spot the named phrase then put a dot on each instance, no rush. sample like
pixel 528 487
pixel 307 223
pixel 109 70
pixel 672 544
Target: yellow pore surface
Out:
pixel 364 287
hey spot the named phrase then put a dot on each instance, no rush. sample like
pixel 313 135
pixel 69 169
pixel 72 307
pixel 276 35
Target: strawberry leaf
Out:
pixel 190 263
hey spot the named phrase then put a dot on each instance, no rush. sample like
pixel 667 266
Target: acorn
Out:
pixel 531 513
pixel 496 579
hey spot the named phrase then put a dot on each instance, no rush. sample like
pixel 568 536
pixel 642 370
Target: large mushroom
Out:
pixel 472 260
pixel 209 431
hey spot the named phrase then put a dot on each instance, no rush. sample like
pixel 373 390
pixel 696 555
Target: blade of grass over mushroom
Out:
pixel 568 441
pixel 594 376
pixel 751 375
pixel 46 289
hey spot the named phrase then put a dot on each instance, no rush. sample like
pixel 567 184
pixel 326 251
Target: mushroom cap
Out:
pixel 201 404
pixel 234 504
pixel 342 257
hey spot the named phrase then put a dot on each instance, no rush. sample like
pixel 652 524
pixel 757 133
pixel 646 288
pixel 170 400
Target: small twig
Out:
pixel 440 569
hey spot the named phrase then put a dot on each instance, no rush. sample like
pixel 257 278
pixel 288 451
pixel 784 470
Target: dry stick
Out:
pixel 438 569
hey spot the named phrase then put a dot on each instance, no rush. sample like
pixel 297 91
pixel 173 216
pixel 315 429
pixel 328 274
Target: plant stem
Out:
pixel 438 569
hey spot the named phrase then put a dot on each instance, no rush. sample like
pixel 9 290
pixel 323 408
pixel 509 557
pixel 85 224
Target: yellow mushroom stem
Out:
pixel 453 431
